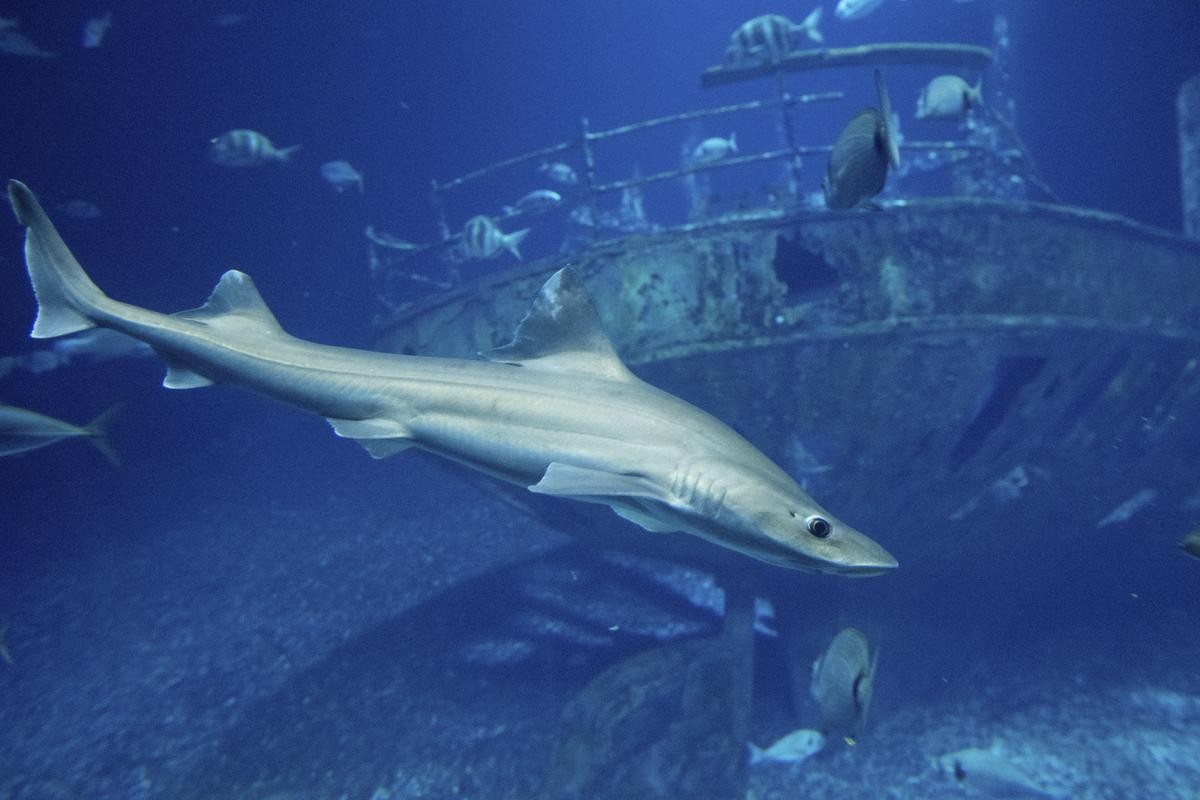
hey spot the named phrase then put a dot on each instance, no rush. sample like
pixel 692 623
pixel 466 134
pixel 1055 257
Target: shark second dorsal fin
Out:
pixel 562 332
pixel 235 297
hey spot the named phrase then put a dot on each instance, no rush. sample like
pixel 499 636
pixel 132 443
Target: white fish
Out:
pixel 990 774
pixel 797 746
pixel 246 148
pixel 341 175
pixel 95 30
pixel 1125 511
pixel 855 9
pixel 555 410
pixel 482 239
pixel 559 172
pixel 15 43
pixel 948 97
pixel 715 149
pixel 22 430
pixel 536 202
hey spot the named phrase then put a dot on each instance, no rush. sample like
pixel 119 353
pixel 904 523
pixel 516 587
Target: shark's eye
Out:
pixel 818 526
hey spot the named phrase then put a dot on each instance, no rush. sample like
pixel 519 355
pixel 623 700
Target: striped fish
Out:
pixel 767 39
pixel 483 240
pixel 246 148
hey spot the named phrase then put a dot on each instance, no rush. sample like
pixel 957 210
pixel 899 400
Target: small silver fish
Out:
pixel 990 773
pixel 1126 510
pixel 246 148
pixel 341 176
pixel 843 680
pixel 95 30
pixel 861 155
pixel 715 149
pixel 559 172
pixel 483 240
pixel 22 430
pixel 855 9
pixel 948 97
pixel 385 239
pixel 797 746
pixel 15 43
pixel 536 202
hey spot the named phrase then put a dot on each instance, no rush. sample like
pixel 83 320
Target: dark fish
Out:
pixel 861 155
pixel 843 681
pixel 22 429
pixel 1190 544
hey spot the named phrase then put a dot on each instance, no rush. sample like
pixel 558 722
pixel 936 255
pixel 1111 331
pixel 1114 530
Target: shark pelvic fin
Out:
pixel 180 376
pixel 235 298
pixel 562 332
pixel 380 436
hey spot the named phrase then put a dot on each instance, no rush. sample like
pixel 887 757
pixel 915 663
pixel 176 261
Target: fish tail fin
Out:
pixel 885 109
pixel 285 155
pixel 811 23
pixel 361 188
pixel 757 754
pixel 97 431
pixel 512 242
pixel 66 296
pixel 975 96
pixel 733 141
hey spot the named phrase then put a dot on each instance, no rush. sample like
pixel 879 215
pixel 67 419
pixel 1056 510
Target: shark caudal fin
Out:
pixel 97 431
pixel 65 294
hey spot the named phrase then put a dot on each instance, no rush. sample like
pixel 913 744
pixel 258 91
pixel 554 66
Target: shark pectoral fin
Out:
pixel 180 377
pixel 566 480
pixel 379 436
pixel 642 518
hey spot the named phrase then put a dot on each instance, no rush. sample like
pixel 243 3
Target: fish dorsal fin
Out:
pixel 235 297
pixel 562 332
pixel 890 148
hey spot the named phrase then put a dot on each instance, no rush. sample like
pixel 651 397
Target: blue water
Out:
pixel 251 606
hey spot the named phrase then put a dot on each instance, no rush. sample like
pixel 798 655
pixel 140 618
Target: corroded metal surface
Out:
pixel 932 361
pixel 957 56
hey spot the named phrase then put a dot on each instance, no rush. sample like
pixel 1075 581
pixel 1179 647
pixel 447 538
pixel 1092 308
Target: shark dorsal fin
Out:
pixel 235 297
pixel 562 332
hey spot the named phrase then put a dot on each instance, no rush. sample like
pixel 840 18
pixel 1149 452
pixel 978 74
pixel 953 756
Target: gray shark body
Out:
pixel 555 411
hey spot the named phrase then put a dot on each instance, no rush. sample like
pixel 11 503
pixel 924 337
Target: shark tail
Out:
pixel 97 432
pixel 66 296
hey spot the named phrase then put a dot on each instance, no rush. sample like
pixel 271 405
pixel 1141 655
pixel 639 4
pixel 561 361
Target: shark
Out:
pixel 555 410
